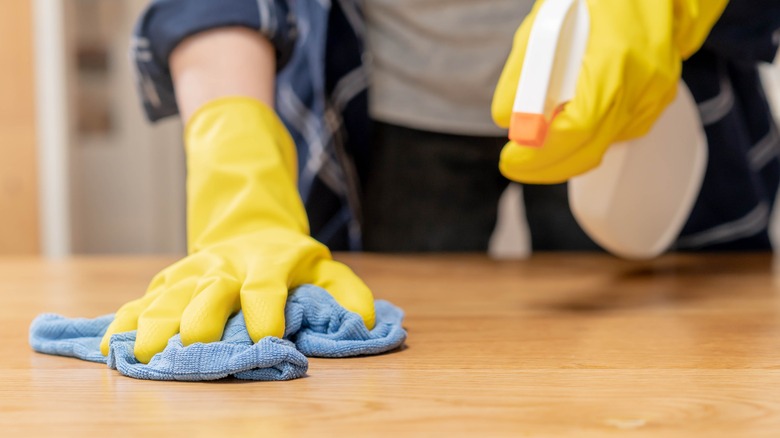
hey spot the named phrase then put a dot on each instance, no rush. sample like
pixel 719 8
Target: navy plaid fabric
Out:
pixel 322 99
pixel 741 181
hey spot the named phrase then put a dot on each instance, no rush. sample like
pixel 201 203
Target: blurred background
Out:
pixel 81 171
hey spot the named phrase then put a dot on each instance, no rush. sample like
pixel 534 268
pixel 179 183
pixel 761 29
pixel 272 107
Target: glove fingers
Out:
pixel 550 166
pixel 271 276
pixel 126 319
pixel 216 298
pixel 263 301
pixel 346 288
pixel 584 123
pixel 160 320
pixel 580 162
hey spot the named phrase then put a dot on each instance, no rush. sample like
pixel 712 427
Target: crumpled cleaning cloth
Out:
pixel 317 326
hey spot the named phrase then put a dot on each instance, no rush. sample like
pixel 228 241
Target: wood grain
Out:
pixel 557 345
pixel 18 166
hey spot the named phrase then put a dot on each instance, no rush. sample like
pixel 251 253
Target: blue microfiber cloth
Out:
pixel 317 326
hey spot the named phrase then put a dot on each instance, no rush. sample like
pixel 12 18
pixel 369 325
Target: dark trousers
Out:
pixel 428 191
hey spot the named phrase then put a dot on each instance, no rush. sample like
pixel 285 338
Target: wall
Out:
pixel 127 189
pixel 18 175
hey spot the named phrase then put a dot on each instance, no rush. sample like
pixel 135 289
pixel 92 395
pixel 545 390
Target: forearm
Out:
pixel 222 62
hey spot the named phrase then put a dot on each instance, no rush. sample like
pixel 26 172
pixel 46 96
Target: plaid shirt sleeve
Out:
pixel 165 23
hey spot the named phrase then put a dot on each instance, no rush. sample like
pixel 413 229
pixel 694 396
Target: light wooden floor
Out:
pixel 553 346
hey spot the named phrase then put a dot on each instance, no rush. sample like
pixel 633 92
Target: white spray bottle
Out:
pixel 635 203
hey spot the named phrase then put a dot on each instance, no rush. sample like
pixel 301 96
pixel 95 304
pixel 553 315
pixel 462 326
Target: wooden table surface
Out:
pixel 557 345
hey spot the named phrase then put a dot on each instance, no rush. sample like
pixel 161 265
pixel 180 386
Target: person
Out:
pixel 259 82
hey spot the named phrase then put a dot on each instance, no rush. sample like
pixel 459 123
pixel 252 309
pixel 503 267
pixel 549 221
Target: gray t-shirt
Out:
pixel 435 63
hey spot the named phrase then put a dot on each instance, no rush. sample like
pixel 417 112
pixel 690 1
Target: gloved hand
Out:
pixel 629 74
pixel 247 235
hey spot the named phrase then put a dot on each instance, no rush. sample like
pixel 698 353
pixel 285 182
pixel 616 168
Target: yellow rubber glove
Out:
pixel 629 74
pixel 247 234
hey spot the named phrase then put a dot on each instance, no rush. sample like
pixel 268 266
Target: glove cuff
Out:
pixel 241 172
